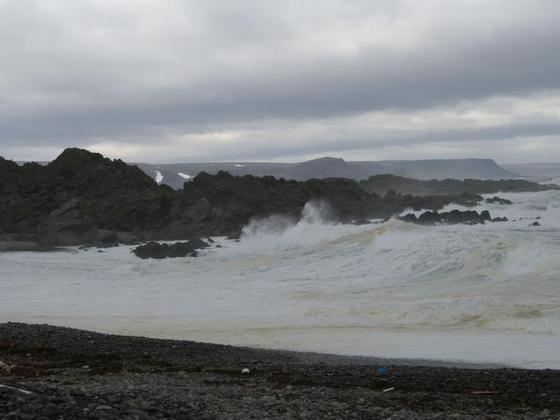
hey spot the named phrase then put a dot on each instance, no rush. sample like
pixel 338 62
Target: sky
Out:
pixel 281 80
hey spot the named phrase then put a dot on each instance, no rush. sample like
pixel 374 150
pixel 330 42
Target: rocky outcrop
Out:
pixel 160 251
pixel 453 217
pixel 80 197
pixel 498 200
pixel 84 198
pixel 381 184
pixel 222 204
pixel 67 225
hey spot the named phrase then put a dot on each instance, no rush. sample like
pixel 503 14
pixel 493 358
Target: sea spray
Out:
pixel 479 293
pixel 315 212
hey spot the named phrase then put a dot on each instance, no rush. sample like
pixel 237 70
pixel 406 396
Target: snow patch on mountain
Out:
pixel 185 176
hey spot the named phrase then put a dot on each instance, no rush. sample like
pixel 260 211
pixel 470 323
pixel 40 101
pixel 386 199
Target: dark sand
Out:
pixel 54 372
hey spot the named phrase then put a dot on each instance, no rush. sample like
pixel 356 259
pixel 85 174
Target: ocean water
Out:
pixel 488 293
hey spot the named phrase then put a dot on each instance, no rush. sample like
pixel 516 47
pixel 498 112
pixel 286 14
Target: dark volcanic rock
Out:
pixel 410 217
pixel 222 204
pixel 451 218
pixel 176 250
pixel 79 193
pixel 82 198
pixel 151 250
pixel 498 200
pixel 485 216
pixel 429 217
pixel 464 217
pixel 500 219
pixel 380 184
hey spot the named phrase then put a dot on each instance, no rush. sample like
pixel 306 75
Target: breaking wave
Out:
pixel 307 283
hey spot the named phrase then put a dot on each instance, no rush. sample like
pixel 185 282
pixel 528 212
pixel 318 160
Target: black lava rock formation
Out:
pixel 84 198
pixel 180 249
pixel 453 217
pixel 381 184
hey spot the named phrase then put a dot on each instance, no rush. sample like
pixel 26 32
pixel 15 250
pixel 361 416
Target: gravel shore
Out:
pixel 55 372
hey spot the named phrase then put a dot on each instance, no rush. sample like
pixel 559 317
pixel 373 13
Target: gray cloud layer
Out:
pixel 214 80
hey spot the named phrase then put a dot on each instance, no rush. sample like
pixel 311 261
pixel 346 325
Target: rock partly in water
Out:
pixel 82 198
pixel 380 184
pixel 452 217
pixel 177 250
pixel 498 200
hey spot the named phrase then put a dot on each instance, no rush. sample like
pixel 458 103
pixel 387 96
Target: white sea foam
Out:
pixel 487 293
pixel 158 177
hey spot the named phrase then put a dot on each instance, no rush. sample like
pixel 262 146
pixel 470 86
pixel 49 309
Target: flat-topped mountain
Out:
pixel 176 174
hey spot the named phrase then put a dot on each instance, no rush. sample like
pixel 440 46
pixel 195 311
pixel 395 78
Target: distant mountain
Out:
pixel 536 171
pixel 176 174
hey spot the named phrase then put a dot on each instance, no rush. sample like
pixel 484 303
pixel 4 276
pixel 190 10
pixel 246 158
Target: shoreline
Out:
pixel 77 373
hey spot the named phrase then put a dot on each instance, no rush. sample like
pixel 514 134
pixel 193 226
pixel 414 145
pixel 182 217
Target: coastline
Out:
pixel 76 373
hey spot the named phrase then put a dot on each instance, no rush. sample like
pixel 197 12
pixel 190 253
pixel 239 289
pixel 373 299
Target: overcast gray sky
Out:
pixel 286 80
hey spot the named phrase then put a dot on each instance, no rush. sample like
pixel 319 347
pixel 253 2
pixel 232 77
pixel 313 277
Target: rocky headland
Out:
pixel 381 184
pixel 82 198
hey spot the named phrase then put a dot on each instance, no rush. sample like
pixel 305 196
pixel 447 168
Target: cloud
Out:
pixel 265 80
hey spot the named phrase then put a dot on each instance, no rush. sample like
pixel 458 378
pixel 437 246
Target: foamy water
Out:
pixel 488 293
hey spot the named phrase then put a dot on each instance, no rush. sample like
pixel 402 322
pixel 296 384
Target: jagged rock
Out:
pixel 452 217
pixel 485 216
pixel 465 217
pixel 380 184
pixel 429 217
pixel 79 196
pixel 67 225
pixel 535 224
pixel 222 204
pixel 410 217
pixel 500 219
pixel 498 200
pixel 83 198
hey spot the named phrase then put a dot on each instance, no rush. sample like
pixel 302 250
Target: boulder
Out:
pixel 177 250
pixel 429 218
pixel 410 217
pixel 485 216
pixel 470 217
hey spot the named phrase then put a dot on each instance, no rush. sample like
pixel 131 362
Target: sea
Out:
pixel 483 294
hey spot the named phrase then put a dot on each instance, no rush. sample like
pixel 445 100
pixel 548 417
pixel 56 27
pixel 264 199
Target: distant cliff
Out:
pixel 175 175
